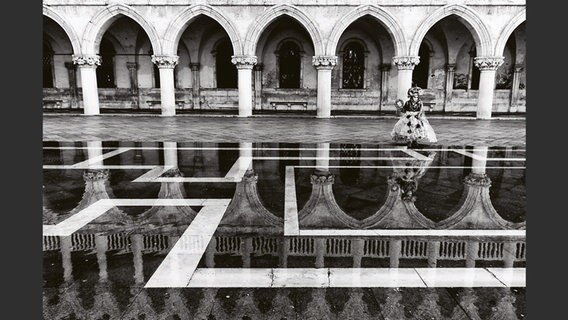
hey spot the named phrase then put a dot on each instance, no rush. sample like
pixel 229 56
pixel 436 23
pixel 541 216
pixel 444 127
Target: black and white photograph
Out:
pixel 284 159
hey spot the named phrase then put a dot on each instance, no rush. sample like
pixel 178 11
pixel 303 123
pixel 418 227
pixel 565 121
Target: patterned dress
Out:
pixel 413 125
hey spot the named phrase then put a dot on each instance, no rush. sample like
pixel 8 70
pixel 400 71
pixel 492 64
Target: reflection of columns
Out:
pixel 471 248
pixel 72 72
pixel 433 248
pixel 258 86
pixel 137 245
pixel 88 65
pixel 450 74
pixel 385 70
pixel 322 155
pixel 394 252
pixel 101 243
pixel 487 66
pixel 170 154
pixel 133 74
pixel 324 65
pixel 405 65
pixel 480 160
pixel 66 246
pixel 244 66
pixel 195 85
pixel 166 65
pixel 95 152
pixel 320 252
pixel 515 89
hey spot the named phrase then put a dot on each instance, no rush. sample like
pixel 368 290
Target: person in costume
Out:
pixel 412 127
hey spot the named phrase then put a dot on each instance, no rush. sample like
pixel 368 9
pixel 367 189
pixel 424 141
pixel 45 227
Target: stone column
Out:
pixel 244 68
pixel 322 155
pixel 450 74
pixel 324 65
pixel 515 88
pixel 195 85
pixel 133 74
pixel 358 251
pixel 394 252
pixel 385 70
pixel 170 154
pixel 72 72
pixel 479 161
pixel 166 64
pixel 101 244
pixel 137 259
pixel 246 251
pixel 471 248
pixel 88 65
pixel 433 249
pixel 487 66
pixel 258 86
pixel 405 66
pixel 320 252
pixel 66 246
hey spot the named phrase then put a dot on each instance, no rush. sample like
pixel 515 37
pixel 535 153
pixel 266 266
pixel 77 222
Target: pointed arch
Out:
pixel 270 15
pixel 468 16
pixel 385 18
pixel 105 17
pixel 179 24
pixel 66 26
pixel 508 30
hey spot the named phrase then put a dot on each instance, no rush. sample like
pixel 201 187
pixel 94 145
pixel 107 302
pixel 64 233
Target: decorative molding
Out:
pixel 450 67
pixel 406 62
pixel 324 62
pixel 92 60
pixel 243 61
pixel 172 173
pixel 488 63
pixel 322 179
pixel 194 66
pixel 481 180
pixel 93 175
pixel 165 61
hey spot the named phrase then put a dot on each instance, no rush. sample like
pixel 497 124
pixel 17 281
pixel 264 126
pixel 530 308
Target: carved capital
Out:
pixel 519 68
pixel 488 63
pixel 92 60
pixel 324 62
pixel 172 173
pixel 165 61
pixel 450 67
pixel 322 178
pixel 258 67
pixel 194 66
pixel 406 62
pixel 481 180
pixel 243 62
pixel 94 175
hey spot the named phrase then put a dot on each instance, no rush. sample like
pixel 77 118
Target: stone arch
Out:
pixel 62 22
pixel 386 19
pixel 468 16
pixel 508 30
pixel 268 16
pixel 179 24
pixel 105 17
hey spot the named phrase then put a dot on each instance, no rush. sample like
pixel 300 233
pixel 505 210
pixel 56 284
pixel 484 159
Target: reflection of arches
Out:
pixel 98 25
pixel 467 16
pixel 289 60
pixel 69 31
pixel 225 71
pixel 48 74
pixel 389 22
pixel 105 72
pixel 178 25
pixel 353 65
pixel 270 15
pixel 508 31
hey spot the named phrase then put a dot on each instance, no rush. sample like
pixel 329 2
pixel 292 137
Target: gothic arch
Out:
pixel 508 30
pixel 471 20
pixel 71 34
pixel 386 19
pixel 268 16
pixel 179 24
pixel 105 17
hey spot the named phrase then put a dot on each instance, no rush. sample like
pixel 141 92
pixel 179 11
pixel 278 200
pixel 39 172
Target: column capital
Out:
pixel 131 65
pixel 322 178
pixel 481 180
pixel 450 67
pixel 243 61
pixel 519 67
pixel 385 67
pixel 87 60
pixel 69 65
pixel 324 62
pixel 194 66
pixel 95 174
pixel 406 62
pixel 488 63
pixel 258 67
pixel 165 61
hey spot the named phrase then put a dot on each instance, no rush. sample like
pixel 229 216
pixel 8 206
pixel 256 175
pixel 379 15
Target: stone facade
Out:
pixel 436 44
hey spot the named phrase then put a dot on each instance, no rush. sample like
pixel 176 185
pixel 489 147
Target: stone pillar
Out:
pixel 515 88
pixel 195 85
pixel 244 68
pixel 357 245
pixel 247 251
pixel 66 246
pixel 509 250
pixel 166 64
pixel 320 252
pixel 283 252
pixel 385 70
pixel 433 249
pixel 487 66
pixel 322 155
pixel 258 86
pixel 471 248
pixel 479 161
pixel 210 254
pixel 137 246
pixel 94 152
pixel 101 244
pixel 133 75
pixel 245 150
pixel 394 252
pixel 88 65
pixel 170 154
pixel 324 65
pixel 405 66
pixel 72 72
pixel 450 74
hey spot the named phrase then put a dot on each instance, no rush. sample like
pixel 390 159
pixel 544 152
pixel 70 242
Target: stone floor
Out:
pixel 272 129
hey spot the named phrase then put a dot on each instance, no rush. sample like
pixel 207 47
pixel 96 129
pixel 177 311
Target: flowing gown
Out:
pixel 413 125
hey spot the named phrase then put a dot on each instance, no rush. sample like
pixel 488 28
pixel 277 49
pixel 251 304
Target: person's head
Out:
pixel 414 93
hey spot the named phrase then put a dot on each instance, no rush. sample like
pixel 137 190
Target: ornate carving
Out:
pixel 481 180
pixel 87 60
pixel 324 62
pixel 172 173
pixel 450 67
pixel 194 66
pixel 321 178
pixel 92 175
pixel 243 62
pixel 250 177
pixel 488 63
pixel 165 61
pixel 406 62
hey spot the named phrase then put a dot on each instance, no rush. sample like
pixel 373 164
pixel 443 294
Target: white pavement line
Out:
pixel 291 225
pixel 334 158
pixel 511 277
pixel 413 232
pixel 152 174
pixel 430 167
pixel 458 277
pixel 416 155
pixel 239 168
pixel 231 278
pixel 180 263
pixel 113 167
pixel 375 277
pixel 469 154
pixel 87 163
pixel 78 220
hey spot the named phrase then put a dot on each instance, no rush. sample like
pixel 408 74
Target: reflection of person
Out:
pixel 407 173
pixel 413 127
